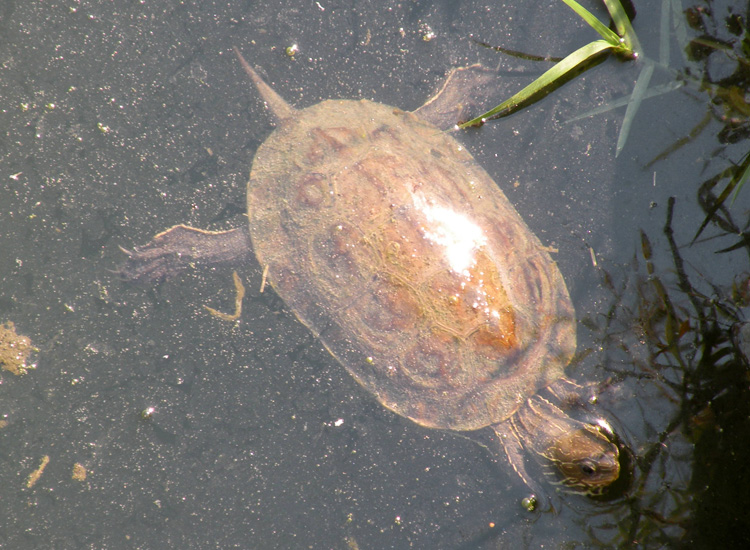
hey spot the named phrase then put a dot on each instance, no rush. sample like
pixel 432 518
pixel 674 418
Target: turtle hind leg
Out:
pixel 172 251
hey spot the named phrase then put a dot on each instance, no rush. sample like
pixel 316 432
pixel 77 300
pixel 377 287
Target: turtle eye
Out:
pixel 588 468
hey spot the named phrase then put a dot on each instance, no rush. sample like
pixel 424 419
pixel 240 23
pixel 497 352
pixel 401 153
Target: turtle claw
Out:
pixel 127 252
pixel 148 266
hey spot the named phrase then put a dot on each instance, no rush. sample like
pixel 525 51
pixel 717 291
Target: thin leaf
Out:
pixel 597 25
pixel 735 183
pixel 516 53
pixel 646 250
pixel 744 242
pixel 741 182
pixel 620 101
pixel 681 33
pixel 544 82
pixel 624 28
pixel 681 142
pixel 639 93
pixel 664 35
pixel 718 203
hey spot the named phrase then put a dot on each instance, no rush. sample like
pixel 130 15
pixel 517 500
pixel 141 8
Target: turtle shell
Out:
pixel 401 254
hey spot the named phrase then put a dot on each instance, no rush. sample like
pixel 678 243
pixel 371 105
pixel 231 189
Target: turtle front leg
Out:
pixel 514 452
pixel 172 251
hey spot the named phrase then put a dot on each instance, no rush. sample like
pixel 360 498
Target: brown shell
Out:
pixel 400 253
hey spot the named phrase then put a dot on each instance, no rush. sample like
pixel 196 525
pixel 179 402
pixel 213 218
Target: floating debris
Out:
pixel 14 350
pixel 292 50
pixel 79 472
pixel 36 474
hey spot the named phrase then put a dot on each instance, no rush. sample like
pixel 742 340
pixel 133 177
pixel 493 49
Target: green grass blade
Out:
pixel 639 93
pixel 624 28
pixel 597 25
pixel 544 83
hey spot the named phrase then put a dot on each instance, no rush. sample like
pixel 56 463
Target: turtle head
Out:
pixel 587 459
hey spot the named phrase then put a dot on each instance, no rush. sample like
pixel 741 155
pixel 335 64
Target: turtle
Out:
pixel 404 258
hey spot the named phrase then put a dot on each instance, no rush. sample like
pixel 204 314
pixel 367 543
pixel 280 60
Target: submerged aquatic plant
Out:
pixel 682 340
